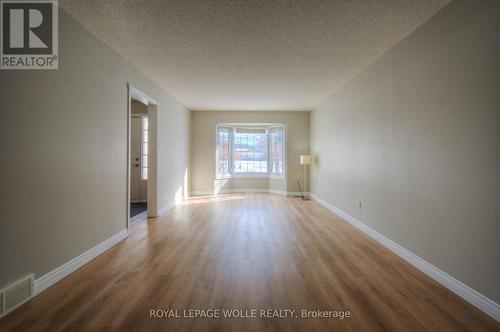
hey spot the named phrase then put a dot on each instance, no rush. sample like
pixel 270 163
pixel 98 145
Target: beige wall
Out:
pixel 416 137
pixel 203 125
pixel 63 136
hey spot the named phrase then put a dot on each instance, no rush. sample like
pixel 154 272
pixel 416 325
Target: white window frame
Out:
pixel 230 156
pixel 144 156
pixel 272 175
pixel 267 127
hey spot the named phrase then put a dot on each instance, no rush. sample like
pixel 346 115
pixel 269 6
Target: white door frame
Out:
pixel 153 113
pixel 140 117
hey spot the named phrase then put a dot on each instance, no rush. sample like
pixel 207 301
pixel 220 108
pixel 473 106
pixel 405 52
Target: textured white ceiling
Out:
pixel 251 55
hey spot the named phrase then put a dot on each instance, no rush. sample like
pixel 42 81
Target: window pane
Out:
pixel 246 150
pixel 145 124
pixel 250 151
pixel 144 174
pixel 222 152
pixel 276 146
pixel 145 148
pixel 144 160
pixel 144 135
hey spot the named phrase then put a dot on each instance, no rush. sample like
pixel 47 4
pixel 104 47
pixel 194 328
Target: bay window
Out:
pixel 249 150
pixel 223 151
pixel 276 150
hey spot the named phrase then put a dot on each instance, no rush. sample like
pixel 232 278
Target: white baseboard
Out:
pixel 200 193
pixel 62 271
pixel 243 191
pixel 247 191
pixel 297 193
pixel 165 209
pixel 470 295
pixel 276 192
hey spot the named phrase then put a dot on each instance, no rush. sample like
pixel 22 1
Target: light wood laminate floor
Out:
pixel 254 251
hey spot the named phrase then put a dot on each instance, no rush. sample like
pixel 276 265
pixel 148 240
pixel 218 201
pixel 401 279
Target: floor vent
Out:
pixel 16 294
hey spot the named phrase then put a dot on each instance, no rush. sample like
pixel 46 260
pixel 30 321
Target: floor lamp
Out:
pixel 305 160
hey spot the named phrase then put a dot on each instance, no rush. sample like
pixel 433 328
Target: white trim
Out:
pixel 161 211
pixel 64 270
pixel 286 193
pixel 475 298
pixel 246 191
pixel 127 161
pixel 141 97
pixel 201 193
pixel 165 209
pixel 243 191
pixel 265 126
pixel 153 143
pixel 236 175
pixel 253 125
pixel 153 154
pixel 247 176
pixel 298 193
pixel 277 192
pixel 281 109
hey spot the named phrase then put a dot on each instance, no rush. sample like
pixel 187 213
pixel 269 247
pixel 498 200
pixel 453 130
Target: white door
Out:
pixel 135 160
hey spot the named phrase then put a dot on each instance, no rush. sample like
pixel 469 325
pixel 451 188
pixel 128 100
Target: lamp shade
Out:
pixel 305 159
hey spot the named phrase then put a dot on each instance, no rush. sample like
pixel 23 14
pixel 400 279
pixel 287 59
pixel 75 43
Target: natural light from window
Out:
pixel 249 150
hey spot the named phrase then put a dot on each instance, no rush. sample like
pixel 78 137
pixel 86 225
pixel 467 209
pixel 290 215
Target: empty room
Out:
pixel 248 165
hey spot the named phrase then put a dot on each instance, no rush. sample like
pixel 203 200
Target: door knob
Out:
pixel 136 165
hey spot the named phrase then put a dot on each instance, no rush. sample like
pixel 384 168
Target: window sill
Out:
pixel 252 176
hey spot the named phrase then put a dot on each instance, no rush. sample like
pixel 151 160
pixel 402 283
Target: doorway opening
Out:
pixel 138 160
pixel 142 138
